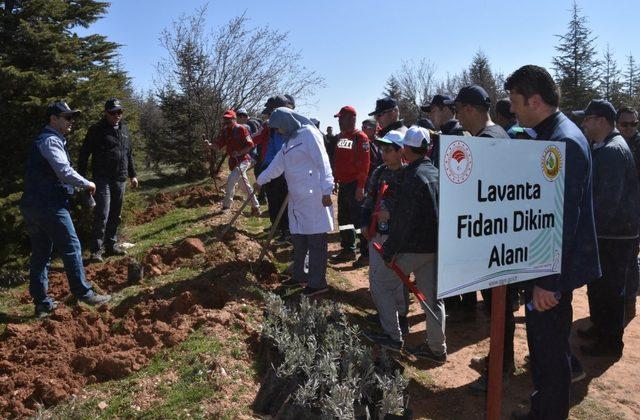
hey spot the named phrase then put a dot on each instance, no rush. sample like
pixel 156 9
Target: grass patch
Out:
pixel 589 408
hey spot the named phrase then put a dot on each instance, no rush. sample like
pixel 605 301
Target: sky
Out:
pixel 356 45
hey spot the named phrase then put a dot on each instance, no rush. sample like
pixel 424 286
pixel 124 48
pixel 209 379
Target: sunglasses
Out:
pixel 628 124
pixel 118 112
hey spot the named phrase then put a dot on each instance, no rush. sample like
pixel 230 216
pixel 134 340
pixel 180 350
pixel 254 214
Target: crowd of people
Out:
pixel 386 179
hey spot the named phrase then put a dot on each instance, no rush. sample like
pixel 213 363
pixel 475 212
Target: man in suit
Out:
pixel 534 99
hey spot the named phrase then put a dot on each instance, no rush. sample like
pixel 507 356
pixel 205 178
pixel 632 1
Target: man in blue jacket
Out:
pixel 534 99
pixel 616 202
pixel 49 184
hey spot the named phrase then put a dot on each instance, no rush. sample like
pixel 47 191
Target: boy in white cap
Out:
pixel 412 241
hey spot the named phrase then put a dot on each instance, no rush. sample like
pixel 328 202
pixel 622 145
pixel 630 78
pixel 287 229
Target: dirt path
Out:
pixel 442 392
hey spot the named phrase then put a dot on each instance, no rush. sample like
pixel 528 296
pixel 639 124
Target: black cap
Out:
pixel 599 108
pixel 273 103
pixel 384 104
pixel 112 104
pixel 436 100
pixel 472 95
pixel 291 100
pixel 61 108
pixel 503 107
pixel 426 123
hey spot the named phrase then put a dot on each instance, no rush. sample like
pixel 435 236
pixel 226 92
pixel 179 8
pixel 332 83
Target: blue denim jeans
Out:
pixel 48 228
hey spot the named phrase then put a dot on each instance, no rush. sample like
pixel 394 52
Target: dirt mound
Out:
pixel 43 363
pixel 161 259
pixel 162 203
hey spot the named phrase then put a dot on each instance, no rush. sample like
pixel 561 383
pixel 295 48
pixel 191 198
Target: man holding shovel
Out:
pixel 237 141
pixel 412 241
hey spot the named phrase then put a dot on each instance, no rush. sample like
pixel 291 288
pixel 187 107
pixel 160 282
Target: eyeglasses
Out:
pixel 628 124
pixel 114 113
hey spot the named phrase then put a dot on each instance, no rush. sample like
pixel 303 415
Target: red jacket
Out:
pixel 351 158
pixel 235 138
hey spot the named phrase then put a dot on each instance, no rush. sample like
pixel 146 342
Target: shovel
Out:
pixel 274 227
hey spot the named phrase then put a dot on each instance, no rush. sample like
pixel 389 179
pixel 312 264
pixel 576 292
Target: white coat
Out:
pixel 305 164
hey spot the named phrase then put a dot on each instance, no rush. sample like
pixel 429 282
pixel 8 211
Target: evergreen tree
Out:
pixel 43 60
pixel 576 64
pixel 610 85
pixel 630 82
pixel 392 89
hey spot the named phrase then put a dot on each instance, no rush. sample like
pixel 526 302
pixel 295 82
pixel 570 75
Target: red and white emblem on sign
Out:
pixel 458 162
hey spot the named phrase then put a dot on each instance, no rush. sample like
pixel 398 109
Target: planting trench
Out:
pixel 45 362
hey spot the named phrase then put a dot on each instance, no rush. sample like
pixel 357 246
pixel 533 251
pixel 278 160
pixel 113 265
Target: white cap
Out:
pixel 242 111
pixel 415 136
pixel 392 137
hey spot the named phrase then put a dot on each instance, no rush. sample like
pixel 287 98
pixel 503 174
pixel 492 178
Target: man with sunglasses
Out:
pixel 627 122
pixel 48 187
pixel 108 142
pixel 616 204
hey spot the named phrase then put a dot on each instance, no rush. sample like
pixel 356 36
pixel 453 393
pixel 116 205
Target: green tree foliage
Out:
pixel 42 60
pixel 576 63
pixel 610 84
pixel 630 81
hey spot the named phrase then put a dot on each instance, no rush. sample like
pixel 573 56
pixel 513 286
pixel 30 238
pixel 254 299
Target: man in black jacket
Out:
pixel 443 117
pixel 616 203
pixel 412 241
pixel 108 142
pixel 627 123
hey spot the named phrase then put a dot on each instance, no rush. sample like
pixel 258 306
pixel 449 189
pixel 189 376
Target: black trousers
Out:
pixel 276 191
pixel 349 212
pixel 107 213
pixel 551 360
pixel 633 276
pixel 509 323
pixel 607 294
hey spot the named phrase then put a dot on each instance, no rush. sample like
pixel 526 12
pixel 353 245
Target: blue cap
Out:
pixel 436 100
pixel 472 95
pixel 61 108
pixel 599 108
pixel 384 104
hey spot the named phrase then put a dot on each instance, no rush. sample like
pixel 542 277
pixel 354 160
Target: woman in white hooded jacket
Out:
pixel 305 164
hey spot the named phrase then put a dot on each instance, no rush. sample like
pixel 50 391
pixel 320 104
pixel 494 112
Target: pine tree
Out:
pixel 630 82
pixel 576 64
pixel 610 85
pixel 392 89
pixel 43 60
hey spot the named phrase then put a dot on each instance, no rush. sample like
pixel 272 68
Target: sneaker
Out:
pixel 577 375
pixel 480 385
pixel 312 291
pixel 115 250
pixel 404 325
pixel 293 283
pixel 43 310
pixel 389 343
pixel 362 261
pixel 96 299
pixel 423 351
pixel 96 257
pixel 344 256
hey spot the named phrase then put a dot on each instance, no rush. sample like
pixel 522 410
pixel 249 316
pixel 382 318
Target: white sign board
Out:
pixel 500 217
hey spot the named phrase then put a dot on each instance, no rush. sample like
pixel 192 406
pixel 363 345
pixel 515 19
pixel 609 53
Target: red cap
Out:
pixel 346 110
pixel 229 113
